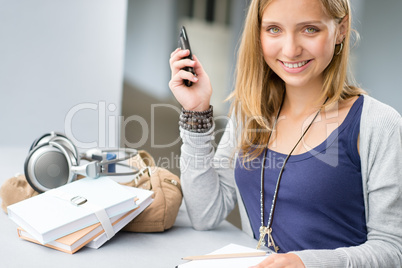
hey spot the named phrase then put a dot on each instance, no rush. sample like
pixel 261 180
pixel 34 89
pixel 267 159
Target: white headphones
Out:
pixel 53 161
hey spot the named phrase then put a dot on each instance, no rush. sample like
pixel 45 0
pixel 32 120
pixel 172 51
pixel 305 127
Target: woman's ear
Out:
pixel 342 29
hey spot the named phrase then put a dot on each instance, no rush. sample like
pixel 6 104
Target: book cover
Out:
pixel 47 218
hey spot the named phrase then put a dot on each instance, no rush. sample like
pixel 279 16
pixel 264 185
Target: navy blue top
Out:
pixel 320 200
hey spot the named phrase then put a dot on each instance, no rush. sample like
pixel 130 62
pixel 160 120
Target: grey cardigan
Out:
pixel 210 191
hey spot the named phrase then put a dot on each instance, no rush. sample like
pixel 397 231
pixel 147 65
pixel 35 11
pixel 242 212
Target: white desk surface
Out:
pixel 123 250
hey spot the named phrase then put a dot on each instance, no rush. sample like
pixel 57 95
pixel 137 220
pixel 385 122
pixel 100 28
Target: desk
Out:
pixel 123 250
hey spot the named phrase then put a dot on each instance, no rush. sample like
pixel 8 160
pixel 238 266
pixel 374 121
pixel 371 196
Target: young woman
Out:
pixel 314 163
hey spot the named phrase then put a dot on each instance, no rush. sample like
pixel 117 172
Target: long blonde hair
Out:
pixel 259 91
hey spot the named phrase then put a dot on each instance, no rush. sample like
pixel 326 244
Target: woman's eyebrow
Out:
pixel 310 22
pixel 267 22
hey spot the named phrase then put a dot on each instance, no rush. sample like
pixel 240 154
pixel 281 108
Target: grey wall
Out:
pixel 151 37
pixel 378 59
pixel 61 68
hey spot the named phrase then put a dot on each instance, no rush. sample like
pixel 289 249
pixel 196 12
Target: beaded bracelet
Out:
pixel 194 121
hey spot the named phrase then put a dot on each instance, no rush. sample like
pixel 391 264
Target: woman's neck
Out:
pixel 300 102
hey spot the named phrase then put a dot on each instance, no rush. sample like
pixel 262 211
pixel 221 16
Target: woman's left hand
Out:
pixel 288 260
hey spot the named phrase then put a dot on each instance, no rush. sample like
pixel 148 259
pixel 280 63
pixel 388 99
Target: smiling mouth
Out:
pixel 295 65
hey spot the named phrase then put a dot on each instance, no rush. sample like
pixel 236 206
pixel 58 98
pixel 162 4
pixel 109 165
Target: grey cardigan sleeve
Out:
pixel 381 163
pixel 207 177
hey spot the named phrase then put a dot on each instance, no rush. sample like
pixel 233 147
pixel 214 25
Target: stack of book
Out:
pixel 67 224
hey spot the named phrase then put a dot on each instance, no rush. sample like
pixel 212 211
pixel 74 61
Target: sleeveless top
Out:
pixel 320 200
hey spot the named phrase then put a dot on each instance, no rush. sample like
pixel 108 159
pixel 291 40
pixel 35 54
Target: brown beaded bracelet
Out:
pixel 195 121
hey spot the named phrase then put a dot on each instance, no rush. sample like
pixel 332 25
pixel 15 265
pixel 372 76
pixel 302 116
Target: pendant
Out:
pixel 271 242
pixel 263 233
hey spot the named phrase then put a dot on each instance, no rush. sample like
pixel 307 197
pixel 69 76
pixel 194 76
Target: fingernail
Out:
pixel 195 79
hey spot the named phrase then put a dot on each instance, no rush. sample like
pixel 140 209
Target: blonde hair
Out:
pixel 258 90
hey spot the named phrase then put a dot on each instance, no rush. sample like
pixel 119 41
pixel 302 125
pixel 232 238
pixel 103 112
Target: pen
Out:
pixel 224 256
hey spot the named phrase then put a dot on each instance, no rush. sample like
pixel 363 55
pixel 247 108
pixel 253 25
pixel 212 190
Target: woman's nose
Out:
pixel 291 47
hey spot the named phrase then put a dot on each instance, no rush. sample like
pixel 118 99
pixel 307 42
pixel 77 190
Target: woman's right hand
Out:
pixel 198 96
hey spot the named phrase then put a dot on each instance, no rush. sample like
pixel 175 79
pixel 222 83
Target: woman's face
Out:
pixel 298 40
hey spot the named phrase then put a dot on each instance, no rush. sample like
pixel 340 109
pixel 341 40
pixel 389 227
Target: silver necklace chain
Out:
pixel 267 230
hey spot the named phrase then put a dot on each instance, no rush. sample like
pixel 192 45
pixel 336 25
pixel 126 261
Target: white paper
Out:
pixel 227 262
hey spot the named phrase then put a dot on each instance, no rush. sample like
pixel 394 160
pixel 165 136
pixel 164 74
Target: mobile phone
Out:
pixel 184 43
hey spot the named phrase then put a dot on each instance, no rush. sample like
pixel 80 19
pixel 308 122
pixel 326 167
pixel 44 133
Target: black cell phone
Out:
pixel 184 43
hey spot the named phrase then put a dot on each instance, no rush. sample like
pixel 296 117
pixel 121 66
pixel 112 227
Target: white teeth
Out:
pixel 295 65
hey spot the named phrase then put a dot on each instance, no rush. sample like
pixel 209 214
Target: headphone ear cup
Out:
pixel 48 166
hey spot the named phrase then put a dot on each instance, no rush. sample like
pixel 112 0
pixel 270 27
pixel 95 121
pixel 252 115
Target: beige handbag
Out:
pixel 162 213
pixel 157 217
pixel 15 190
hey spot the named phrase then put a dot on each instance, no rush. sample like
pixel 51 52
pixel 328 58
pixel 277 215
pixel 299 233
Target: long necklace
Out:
pixel 267 230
